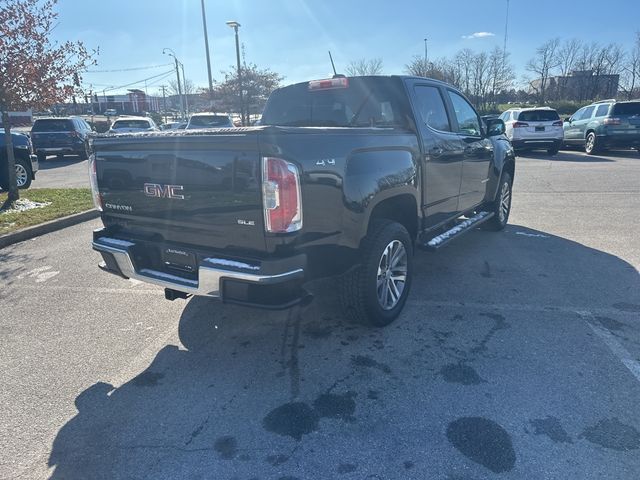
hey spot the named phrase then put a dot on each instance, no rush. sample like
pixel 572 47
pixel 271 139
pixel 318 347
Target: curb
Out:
pixel 47 227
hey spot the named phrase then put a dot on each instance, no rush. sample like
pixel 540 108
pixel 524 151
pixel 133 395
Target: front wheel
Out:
pixel 375 292
pixel 501 206
pixel 23 174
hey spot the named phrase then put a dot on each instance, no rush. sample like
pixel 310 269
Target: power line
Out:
pixel 139 81
pixel 129 69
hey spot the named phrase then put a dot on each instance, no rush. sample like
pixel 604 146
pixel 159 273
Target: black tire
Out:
pixel 500 217
pixel 23 173
pixel 84 153
pixel 591 146
pixel 553 151
pixel 41 157
pixel 60 156
pixel 365 290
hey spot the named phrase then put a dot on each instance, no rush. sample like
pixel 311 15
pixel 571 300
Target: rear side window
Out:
pixel 602 110
pixel 431 108
pixel 538 116
pixel 631 108
pixel 365 102
pixel 468 123
pixel 52 125
pixel 130 124
pixel 210 121
pixel 587 113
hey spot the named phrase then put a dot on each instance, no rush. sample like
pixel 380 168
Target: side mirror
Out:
pixel 495 127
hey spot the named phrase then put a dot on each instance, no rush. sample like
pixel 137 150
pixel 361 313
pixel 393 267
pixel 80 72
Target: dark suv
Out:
pixel 604 124
pixel 61 136
pixel 26 161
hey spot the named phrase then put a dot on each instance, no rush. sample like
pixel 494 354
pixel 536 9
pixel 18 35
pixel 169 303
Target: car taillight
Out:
pixel 281 196
pixel 93 181
pixel 557 124
pixel 612 121
pixel 520 125
pixel 329 83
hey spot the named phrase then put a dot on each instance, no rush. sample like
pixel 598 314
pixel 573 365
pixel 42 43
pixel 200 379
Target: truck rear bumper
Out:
pixel 264 284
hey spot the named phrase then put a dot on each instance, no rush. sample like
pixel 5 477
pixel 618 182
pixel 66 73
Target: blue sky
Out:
pixel 292 36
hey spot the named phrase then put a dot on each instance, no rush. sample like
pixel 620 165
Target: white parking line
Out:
pixel 610 341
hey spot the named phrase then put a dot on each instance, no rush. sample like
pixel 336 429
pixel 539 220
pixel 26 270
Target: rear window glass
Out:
pixel 130 124
pixel 366 102
pixel 52 125
pixel 538 116
pixel 626 109
pixel 210 121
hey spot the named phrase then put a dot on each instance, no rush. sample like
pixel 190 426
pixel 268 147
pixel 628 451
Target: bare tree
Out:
pixel 501 74
pixel 188 87
pixel 631 71
pixel 364 67
pixel 417 67
pixel 542 65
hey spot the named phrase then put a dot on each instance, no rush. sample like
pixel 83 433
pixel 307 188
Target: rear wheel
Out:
pixel 84 153
pixel 60 156
pixel 553 150
pixel 375 292
pixel 501 206
pixel 591 144
pixel 23 174
pixel 41 157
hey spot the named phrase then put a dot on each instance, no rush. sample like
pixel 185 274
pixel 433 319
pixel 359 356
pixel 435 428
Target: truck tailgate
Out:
pixel 198 189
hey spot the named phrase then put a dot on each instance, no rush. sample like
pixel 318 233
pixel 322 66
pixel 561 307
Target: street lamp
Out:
pixel 235 25
pixel 172 54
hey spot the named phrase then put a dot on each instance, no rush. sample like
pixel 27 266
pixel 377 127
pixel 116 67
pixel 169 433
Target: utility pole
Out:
pixel 235 25
pixel 206 46
pixel 182 103
pixel 426 56
pixel 164 103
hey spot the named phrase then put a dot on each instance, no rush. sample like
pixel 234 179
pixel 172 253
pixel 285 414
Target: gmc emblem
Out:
pixel 163 191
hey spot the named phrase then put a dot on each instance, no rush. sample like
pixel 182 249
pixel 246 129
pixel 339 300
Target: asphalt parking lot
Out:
pixel 70 172
pixel 517 356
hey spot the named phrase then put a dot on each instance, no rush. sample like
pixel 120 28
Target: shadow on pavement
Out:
pixel 566 156
pixel 219 408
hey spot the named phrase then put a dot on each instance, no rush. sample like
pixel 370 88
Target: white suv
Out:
pixel 534 128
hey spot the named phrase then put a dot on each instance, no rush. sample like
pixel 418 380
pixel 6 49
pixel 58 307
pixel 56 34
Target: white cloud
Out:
pixel 479 35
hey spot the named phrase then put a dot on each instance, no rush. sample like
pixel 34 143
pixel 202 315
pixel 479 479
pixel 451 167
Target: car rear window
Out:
pixel 52 125
pixel 632 108
pixel 538 116
pixel 130 124
pixel 210 121
pixel 366 102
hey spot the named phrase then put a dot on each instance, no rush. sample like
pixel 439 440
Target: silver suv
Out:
pixel 534 129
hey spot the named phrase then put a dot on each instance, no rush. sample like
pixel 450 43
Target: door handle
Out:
pixel 436 151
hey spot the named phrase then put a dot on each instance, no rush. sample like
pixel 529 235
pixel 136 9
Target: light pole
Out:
pixel 172 54
pixel 426 56
pixel 206 46
pixel 235 25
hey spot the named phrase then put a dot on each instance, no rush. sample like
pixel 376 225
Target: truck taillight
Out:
pixel 93 181
pixel 281 196
pixel 520 125
pixel 612 121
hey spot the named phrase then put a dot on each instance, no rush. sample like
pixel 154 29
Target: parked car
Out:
pixel 26 160
pixel 536 128
pixel 209 120
pixel 604 124
pixel 133 124
pixel 110 112
pixel 343 177
pixel 61 136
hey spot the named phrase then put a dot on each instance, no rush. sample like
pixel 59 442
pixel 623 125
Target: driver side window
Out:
pixel 468 123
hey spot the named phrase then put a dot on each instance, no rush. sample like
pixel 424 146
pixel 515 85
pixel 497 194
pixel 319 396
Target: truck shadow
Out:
pixel 570 156
pixel 200 411
pixel 52 162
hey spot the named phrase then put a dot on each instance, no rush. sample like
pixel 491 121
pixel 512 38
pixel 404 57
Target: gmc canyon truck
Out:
pixel 343 177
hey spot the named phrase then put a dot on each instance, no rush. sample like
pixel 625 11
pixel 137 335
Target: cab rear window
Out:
pixel 130 124
pixel 210 121
pixel 632 108
pixel 538 116
pixel 52 125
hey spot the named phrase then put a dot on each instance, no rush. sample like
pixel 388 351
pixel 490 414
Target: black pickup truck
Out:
pixel 344 177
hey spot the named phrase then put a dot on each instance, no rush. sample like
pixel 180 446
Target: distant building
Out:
pixel 579 85
pixel 133 103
